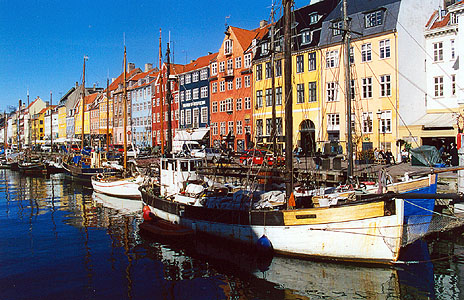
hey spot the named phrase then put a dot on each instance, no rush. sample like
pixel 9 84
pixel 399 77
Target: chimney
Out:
pixel 77 84
pixel 130 67
pixel 192 60
pixel 262 23
pixel 148 67
pixel 94 87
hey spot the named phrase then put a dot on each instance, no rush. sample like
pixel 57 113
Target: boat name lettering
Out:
pixel 306 216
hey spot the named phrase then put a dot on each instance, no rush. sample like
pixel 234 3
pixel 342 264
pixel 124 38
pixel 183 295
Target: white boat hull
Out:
pixel 371 240
pixel 122 188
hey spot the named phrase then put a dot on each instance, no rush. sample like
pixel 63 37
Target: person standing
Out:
pixel 454 155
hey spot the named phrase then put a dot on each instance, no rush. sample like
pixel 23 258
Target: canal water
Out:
pixel 58 240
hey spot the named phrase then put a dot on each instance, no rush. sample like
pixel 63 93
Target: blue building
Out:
pixel 139 93
pixel 194 94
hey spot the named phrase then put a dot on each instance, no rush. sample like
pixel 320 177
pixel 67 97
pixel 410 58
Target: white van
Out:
pixel 178 146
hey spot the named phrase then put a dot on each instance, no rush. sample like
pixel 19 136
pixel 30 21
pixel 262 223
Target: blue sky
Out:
pixel 43 42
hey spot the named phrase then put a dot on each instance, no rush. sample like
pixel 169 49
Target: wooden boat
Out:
pixel 162 227
pixel 117 186
pixel 32 167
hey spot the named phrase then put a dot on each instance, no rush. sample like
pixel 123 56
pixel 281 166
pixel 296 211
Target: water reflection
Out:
pixel 90 247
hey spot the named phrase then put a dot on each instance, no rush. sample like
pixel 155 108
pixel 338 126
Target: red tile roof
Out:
pixel 200 62
pixel 245 37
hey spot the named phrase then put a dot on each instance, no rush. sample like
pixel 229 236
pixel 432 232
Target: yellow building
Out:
pixel 78 116
pixel 62 122
pixel 103 115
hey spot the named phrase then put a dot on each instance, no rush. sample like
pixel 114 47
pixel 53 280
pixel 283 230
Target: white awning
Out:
pixel 437 120
pixel 191 134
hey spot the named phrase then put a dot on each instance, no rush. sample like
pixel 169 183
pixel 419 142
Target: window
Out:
pixel 214 68
pixel 223 128
pixel 228 47
pixel 247 60
pixel 259 72
pixel 331 60
pixel 384 49
pixel 239 128
pixel 204 74
pixel 247 81
pixel 268 126
pixel 188 116
pixel 196 117
pixel 238 83
pixel 353 89
pixel 229 104
pixel 385 121
pixel 230 126
pixel 336 28
pixel 373 19
pixel 265 48
pixel 214 87
pixel 204 114
pixel 438 86
pixel 453 85
pixel 195 76
pixel 268 97
pixel 367 122
pixel 331 91
pixel 222 86
pixel 385 86
pixel 312 92
pixel 196 93
pixel 453 52
pixel 300 93
pixel 214 107
pixel 259 98
pixel 238 104
pixel 268 70
pixel 299 64
pixel 181 80
pixel 222 67
pixel 188 79
pixel 188 95
pixel 313 18
pixel 333 122
pixel 238 62
pixel 215 128
pixel 278 68
pixel 367 87
pixel 204 91
pixel 366 52
pixel 259 127
pixel 438 51
pixel 312 61
pixel 230 85
pixel 230 65
pixel 222 106
pixel 306 37
pixel 278 96
pixel 247 103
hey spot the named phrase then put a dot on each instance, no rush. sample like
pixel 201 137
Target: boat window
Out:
pixel 173 165
pixel 184 166
pixel 192 165
pixel 198 164
pixel 164 165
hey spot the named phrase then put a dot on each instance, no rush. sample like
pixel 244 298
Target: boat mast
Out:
pixel 274 125
pixel 51 123
pixel 107 114
pixel 288 98
pixel 28 122
pixel 161 83
pixel 124 115
pixel 83 100
pixel 5 126
pixel 346 39
pixel 168 99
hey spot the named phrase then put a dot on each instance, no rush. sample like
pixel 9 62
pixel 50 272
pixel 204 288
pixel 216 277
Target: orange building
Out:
pixel 231 89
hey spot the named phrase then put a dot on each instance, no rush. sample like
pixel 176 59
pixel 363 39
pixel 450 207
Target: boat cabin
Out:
pixel 175 172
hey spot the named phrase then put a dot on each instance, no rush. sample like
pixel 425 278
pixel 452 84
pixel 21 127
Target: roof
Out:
pixel 115 84
pixel 200 62
pixel 245 37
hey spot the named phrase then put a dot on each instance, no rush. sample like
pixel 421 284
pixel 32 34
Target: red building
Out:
pixel 231 88
pixel 160 105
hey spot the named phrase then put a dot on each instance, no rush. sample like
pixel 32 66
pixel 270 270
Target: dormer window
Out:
pixel 264 48
pixel 306 37
pixel 336 28
pixel 228 47
pixel 313 18
pixel 373 19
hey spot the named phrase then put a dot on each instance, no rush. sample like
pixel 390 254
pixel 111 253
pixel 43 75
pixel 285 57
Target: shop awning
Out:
pixel 439 120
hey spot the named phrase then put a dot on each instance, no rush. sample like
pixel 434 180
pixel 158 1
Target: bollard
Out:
pixel 461 172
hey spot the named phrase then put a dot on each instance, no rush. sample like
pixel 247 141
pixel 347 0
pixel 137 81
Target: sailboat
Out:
pixel 80 166
pixel 120 186
pixel 370 228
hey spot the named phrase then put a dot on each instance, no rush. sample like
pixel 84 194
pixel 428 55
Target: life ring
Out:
pixel 99 176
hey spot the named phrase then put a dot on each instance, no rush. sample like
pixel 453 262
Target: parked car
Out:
pixel 211 154
pixel 261 156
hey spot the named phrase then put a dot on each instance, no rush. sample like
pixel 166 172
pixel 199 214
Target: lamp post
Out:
pixel 379 116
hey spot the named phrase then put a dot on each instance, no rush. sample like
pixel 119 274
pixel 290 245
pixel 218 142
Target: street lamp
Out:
pixel 379 116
